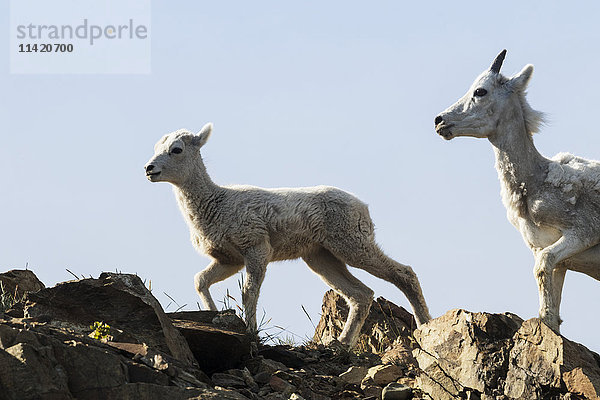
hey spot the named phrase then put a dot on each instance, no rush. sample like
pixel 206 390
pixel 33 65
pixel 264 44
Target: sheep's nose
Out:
pixel 438 119
pixel 149 168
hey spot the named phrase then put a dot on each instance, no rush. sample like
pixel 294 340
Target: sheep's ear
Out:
pixel 202 136
pixel 520 81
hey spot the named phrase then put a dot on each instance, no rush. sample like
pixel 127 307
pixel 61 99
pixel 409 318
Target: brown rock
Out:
pixel 17 282
pixel 355 374
pixel 120 300
pixel 385 324
pixel 48 355
pixel 281 386
pixel 373 391
pixel 214 348
pixel 284 355
pixel 148 391
pixel 383 374
pixel 542 361
pixel 26 373
pixel 491 356
pixel 399 354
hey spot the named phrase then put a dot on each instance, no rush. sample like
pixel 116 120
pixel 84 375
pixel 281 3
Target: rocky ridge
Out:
pixel 49 349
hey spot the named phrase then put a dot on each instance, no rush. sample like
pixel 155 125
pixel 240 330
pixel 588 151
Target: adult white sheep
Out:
pixel 239 226
pixel 554 203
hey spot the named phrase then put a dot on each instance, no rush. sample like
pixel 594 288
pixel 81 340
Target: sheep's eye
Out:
pixel 176 150
pixel 480 92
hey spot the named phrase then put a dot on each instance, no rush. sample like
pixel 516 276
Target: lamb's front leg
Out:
pixel 545 272
pixel 256 266
pixel 215 272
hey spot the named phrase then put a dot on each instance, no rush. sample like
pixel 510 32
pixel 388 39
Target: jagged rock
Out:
pixel 268 366
pixel 544 361
pixel 41 361
pixel 120 300
pixel 215 348
pixel 281 386
pixel 26 373
pixel 396 391
pixel 158 361
pixel 383 374
pixel 227 380
pixel 355 374
pixel 372 391
pixel 17 282
pixel 262 377
pixel 399 354
pixel 490 356
pixel 284 355
pixel 148 391
pixel 386 323
pixel 48 354
pixel 246 376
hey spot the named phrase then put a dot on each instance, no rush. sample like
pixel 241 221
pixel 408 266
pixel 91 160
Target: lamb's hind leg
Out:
pixel 215 272
pixel 358 296
pixel 371 258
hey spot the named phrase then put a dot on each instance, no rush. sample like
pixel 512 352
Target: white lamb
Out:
pixel 248 226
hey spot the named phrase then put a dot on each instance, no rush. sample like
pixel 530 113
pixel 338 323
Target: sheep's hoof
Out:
pixel 552 323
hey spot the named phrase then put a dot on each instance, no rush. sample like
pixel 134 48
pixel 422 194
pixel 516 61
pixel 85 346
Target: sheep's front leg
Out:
pixel 550 279
pixel 256 267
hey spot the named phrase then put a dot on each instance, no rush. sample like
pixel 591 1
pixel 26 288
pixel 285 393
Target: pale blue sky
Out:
pixel 336 93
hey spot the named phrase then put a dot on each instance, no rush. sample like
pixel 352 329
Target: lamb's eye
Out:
pixel 480 92
pixel 176 150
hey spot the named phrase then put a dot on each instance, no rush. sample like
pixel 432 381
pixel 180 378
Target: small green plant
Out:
pixel 100 331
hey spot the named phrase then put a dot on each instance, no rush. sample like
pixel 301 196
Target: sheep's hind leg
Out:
pixel 372 259
pixel 215 272
pixel 358 296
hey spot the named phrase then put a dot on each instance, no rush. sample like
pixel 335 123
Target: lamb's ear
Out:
pixel 520 81
pixel 202 136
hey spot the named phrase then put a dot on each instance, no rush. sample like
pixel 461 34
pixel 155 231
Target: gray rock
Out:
pixel 262 377
pixel 271 366
pixel 227 380
pixel 245 375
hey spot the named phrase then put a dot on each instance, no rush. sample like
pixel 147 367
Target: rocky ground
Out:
pixel 108 338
